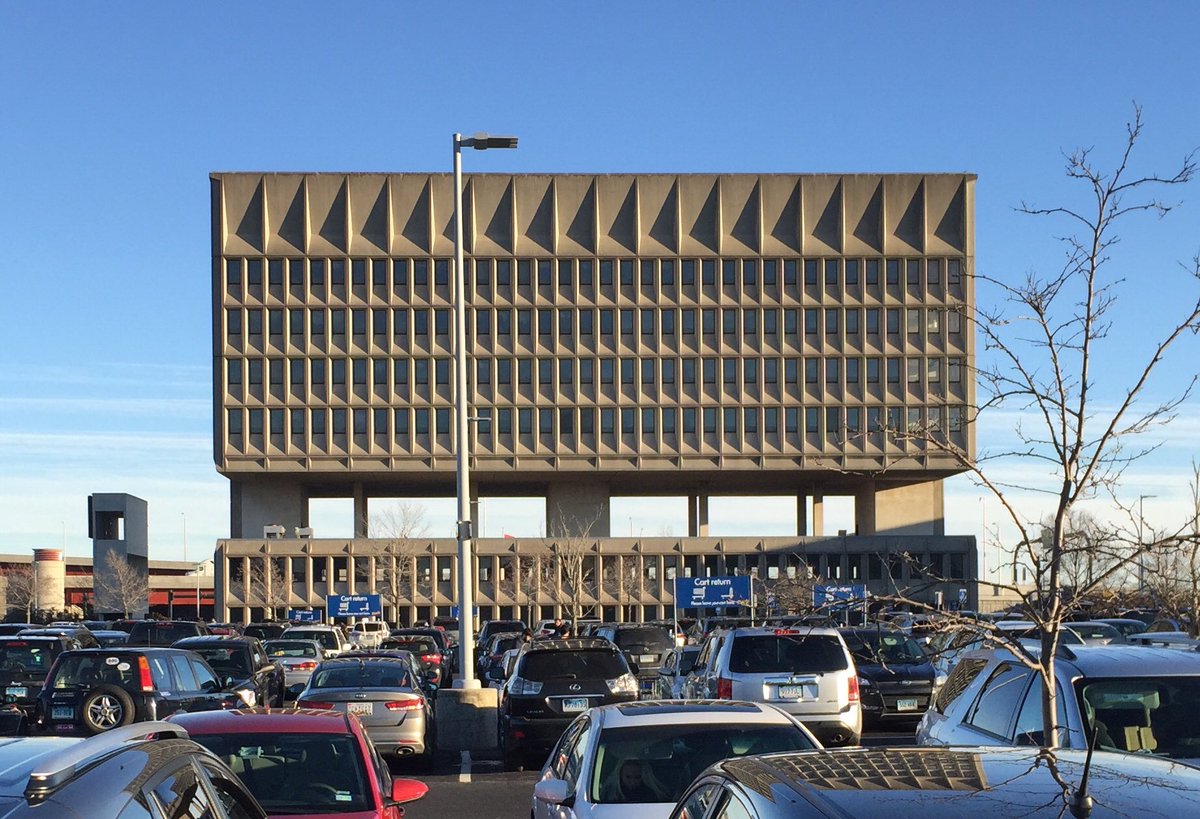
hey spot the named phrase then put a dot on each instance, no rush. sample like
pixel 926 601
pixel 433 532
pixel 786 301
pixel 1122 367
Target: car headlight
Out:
pixel 939 680
pixel 625 684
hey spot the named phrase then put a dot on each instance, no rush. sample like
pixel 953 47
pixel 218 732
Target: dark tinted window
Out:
pixel 162 634
pixel 326 639
pixel 25 655
pixel 633 639
pixel 231 660
pixel 181 794
pixel 768 653
pixel 417 645
pixel 668 757
pixel 290 648
pixel 562 665
pixel 961 677
pixel 883 647
pixel 95 669
pixel 998 702
pixel 367 675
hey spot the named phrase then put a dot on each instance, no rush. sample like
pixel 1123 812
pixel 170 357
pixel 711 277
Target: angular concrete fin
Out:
pixel 950 228
pixel 704 226
pixel 333 228
pixel 663 230
pixel 786 227
pixel 250 226
pixel 829 226
pixel 745 227
pixel 625 224
pixel 294 226
pixel 416 226
pixel 582 227
pixel 541 227
pixel 499 229
pixel 911 227
pixel 376 226
pixel 869 229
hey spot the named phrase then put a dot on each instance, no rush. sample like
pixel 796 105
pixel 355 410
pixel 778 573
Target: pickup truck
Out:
pixel 368 633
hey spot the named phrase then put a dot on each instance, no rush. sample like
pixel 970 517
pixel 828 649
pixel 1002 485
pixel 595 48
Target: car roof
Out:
pixel 312 627
pixel 571 644
pixel 215 639
pixel 1131 660
pixel 935 781
pixel 686 712
pixel 357 658
pixel 264 720
pixel 783 631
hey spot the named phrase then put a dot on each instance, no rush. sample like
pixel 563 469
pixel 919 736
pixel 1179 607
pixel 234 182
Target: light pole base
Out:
pixel 460 683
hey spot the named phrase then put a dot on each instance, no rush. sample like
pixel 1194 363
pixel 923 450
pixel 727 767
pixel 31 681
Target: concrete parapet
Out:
pixel 466 719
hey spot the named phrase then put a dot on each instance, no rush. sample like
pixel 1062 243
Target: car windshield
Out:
pixel 643 639
pixel 573 665
pixel 296 773
pixel 882 647
pixel 1129 627
pixel 365 675
pixel 88 670
pixel 22 655
pixel 226 661
pixel 1096 631
pixel 417 645
pixel 656 763
pixel 163 633
pixel 290 648
pixel 770 653
pixel 327 639
pixel 498 626
pixel 1142 715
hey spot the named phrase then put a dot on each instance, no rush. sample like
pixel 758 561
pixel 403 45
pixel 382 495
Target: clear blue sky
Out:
pixel 113 115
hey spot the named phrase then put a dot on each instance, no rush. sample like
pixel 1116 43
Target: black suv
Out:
pixel 121 773
pixel 266 631
pixel 24 663
pixel 164 632
pixel 241 663
pixel 552 682
pixel 97 689
pixel 644 646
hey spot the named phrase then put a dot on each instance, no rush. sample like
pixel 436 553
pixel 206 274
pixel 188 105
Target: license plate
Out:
pixel 16 691
pixel 793 692
pixel 575 704
pixel 62 712
pixel 648 658
pixel 647 685
pixel 362 709
pixel 909 704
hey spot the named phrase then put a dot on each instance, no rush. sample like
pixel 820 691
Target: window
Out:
pixel 545 371
pixel 933 370
pixel 689 371
pixel 710 371
pixel 960 679
pixel 851 272
pixel 872 370
pixel 770 276
pixel 832 370
pixel 811 318
pixel 852 322
pixel 810 272
pixel 730 415
pixel 708 319
pixel 606 322
pixel 729 372
pixel 812 368
pixel 587 368
pixel 893 370
pixel 648 426
pixel 914 371
pixel 913 273
pixel 708 272
pixel 933 321
pixel 565 322
pixel 852 369
pixel 831 272
pixel 812 420
pixel 770 322
pixel 441 322
pixel 627 272
pixel 566 371
pixel 953 322
pixel 689 322
pixel 933 272
pixel 647 273
pixel 628 420
pixel 647 322
pixel 953 271
pixel 750 372
pixel 668 371
pixel 441 371
pixel 606 371
pixel 729 321
pixel 993 712
pixel 710 420
pixel 565 272
pixel 791 370
pixel 627 319
pixel 749 324
pixel 954 366
pixel 687 272
pixel 627 370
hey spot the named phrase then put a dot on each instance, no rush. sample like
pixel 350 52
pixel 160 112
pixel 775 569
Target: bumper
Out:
pixel 401 740
pixel 832 733
pixel 898 706
pixel 524 735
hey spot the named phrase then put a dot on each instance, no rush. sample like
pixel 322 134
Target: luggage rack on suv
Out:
pixel 60 767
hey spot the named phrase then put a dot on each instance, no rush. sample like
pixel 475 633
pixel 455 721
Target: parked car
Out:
pixel 423 678
pixel 1030 783
pixel 494 649
pixel 118 774
pixel 24 663
pixel 445 642
pixel 111 638
pixel 298 659
pixel 895 677
pixel 303 762
pixel 93 690
pixel 1136 699
pixel 331 638
pixel 382 693
pixel 226 629
pixel 83 636
pixel 644 646
pixel 1127 626
pixel 241 664
pixel 489 628
pixel 807 672
pixel 265 631
pixel 674 672
pixel 164 632
pixel 368 633
pixel 9 629
pixel 425 649
pixel 637 759
pixel 552 682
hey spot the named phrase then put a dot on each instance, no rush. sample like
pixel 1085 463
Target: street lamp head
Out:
pixel 481 142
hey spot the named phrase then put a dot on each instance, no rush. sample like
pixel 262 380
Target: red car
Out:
pixel 304 764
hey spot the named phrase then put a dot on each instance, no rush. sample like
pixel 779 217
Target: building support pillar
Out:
pixel 802 515
pixel 818 522
pixel 362 518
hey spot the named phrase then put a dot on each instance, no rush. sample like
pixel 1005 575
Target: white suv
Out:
pixel 331 638
pixel 369 633
pixel 807 672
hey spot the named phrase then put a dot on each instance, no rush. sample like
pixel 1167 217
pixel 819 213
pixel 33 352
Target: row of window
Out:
pixel 660 273
pixel 732 373
pixel 382 422
pixel 733 323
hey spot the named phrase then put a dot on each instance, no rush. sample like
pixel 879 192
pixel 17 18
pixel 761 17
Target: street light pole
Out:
pixel 466 584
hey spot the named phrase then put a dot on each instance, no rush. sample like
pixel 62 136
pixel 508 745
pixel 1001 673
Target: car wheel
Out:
pixel 106 707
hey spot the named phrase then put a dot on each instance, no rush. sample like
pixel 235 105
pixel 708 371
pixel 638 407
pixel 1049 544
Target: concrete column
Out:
pixel 361 512
pixel 818 527
pixel 702 515
pixel 864 509
pixel 578 509
pixel 917 509
pixel 310 570
pixel 287 579
pixel 802 515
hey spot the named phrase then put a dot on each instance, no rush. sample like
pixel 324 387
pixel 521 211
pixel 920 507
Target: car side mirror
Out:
pixel 228 681
pixel 552 791
pixel 408 790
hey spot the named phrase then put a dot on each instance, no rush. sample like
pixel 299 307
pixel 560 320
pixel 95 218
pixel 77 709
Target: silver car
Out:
pixel 297 658
pixel 674 672
pixel 807 672
pixel 382 693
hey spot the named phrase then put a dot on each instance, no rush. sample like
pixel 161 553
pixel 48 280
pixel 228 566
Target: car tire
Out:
pixel 106 707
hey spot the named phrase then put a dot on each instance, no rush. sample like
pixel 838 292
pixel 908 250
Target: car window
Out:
pixel 180 793
pixel 561 665
pixel 770 653
pixel 668 666
pixel 1144 715
pixel 87 670
pixel 227 792
pixel 666 758
pixel 699 801
pixel 326 639
pixel 185 678
pixel 229 661
pixel 958 681
pixel 562 752
pixel 205 679
pixel 650 639
pixel 290 648
pixel 732 808
pixel 367 675
pixel 1029 720
pixel 25 655
pixel 997 703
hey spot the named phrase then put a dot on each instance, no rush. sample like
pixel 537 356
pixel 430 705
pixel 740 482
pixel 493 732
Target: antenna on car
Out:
pixel 1080 802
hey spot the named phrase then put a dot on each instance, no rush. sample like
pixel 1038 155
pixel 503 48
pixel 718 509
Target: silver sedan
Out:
pixel 298 658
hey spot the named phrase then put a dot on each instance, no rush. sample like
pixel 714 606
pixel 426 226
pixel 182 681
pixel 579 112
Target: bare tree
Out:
pixel 519 582
pixel 1171 577
pixel 20 588
pixel 270 585
pixel 1046 346
pixel 123 585
pixel 571 575
pixel 401 530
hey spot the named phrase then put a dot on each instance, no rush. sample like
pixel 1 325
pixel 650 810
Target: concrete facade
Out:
pixel 118 525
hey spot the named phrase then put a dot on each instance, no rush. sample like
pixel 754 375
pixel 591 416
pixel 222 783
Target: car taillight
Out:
pixel 146 680
pixel 405 705
pixel 724 688
pixel 304 666
pixel 436 659
pixel 853 689
pixel 320 706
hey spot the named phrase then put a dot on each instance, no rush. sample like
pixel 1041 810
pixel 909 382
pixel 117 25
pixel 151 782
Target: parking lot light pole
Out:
pixel 466 584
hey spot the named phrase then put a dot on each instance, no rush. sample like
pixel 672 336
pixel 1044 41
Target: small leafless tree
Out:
pixel 1171 577
pixel 401 530
pixel 270 585
pixel 123 585
pixel 519 582
pixel 20 589
pixel 1045 353
pixel 573 566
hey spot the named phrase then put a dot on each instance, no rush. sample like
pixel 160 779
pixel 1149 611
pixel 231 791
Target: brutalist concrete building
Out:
pixel 664 334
